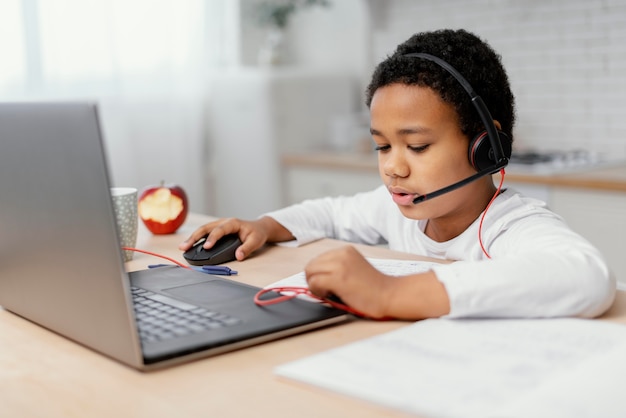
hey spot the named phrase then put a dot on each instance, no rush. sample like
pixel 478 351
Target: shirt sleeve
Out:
pixel 539 268
pixel 348 218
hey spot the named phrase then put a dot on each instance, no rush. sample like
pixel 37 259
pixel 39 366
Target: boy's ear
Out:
pixel 498 126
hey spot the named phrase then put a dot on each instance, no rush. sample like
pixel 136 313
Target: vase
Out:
pixel 272 51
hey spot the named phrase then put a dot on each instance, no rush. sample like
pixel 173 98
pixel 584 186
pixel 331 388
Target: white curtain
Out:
pixel 144 63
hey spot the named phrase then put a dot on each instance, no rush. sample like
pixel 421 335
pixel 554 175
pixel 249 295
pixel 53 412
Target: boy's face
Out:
pixel 421 149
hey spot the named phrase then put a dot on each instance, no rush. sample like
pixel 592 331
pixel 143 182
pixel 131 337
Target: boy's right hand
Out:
pixel 253 234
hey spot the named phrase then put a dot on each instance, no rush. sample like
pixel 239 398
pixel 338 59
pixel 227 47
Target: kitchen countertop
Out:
pixel 607 177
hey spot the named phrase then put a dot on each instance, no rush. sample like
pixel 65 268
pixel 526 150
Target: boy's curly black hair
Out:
pixel 479 64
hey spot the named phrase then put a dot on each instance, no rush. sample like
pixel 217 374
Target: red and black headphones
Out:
pixel 489 151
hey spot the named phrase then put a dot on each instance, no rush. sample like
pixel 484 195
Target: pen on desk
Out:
pixel 221 270
pixel 153 266
pixel 217 270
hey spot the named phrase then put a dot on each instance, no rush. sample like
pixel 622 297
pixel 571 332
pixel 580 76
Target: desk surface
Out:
pixel 43 374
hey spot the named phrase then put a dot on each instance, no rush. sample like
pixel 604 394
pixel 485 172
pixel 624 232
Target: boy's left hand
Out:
pixel 345 273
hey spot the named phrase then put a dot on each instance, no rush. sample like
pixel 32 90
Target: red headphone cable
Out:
pixel 482 218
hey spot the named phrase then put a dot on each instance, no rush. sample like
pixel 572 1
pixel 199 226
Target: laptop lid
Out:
pixel 61 265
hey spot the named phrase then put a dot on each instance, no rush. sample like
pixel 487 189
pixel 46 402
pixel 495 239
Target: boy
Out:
pixel 514 257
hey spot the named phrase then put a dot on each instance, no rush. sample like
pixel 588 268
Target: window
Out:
pixel 93 47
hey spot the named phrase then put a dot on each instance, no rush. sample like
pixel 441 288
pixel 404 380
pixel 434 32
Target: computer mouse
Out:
pixel 222 252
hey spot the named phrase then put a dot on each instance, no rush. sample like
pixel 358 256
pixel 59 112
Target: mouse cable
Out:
pixel 156 255
pixel 295 291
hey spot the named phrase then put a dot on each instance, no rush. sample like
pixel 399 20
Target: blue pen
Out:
pixel 218 270
pixel 221 270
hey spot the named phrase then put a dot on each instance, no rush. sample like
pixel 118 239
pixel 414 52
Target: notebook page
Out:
pixel 480 368
pixel 387 266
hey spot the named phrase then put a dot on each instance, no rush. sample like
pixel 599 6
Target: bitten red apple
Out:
pixel 163 208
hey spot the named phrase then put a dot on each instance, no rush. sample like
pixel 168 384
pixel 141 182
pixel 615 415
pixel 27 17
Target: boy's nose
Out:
pixel 395 165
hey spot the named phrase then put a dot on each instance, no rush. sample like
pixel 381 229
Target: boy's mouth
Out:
pixel 401 197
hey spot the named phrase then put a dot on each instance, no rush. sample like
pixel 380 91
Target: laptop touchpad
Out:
pixel 210 292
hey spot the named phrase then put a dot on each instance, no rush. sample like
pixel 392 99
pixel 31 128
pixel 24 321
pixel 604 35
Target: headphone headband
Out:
pixel 483 112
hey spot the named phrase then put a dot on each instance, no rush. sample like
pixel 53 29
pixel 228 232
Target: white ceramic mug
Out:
pixel 125 205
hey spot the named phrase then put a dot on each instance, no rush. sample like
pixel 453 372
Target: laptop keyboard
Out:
pixel 160 317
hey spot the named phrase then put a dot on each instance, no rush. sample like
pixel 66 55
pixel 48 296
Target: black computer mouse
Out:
pixel 222 252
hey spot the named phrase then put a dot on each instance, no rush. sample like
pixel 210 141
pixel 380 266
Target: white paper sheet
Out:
pixel 387 266
pixel 481 368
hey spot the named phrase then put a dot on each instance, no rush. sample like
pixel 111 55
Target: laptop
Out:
pixel 61 265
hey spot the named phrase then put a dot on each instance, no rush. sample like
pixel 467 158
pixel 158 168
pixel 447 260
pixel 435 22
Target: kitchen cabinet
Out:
pixel 537 191
pixel 309 176
pixel 599 216
pixel 310 183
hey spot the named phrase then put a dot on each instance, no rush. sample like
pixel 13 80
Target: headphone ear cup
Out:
pixel 481 156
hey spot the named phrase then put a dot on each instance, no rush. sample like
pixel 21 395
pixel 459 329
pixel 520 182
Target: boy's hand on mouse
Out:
pixel 253 234
pixel 346 274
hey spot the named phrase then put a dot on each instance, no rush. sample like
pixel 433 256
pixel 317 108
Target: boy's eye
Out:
pixel 382 147
pixel 420 148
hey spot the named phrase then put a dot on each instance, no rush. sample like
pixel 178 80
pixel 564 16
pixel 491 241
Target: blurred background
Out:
pixel 218 95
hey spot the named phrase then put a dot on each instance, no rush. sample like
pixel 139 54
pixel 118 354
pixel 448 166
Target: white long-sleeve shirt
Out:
pixel 539 267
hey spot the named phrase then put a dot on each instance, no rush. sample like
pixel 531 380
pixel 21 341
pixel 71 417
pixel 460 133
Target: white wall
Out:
pixel 566 61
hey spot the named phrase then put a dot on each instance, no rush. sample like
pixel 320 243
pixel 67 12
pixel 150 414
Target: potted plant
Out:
pixel 275 16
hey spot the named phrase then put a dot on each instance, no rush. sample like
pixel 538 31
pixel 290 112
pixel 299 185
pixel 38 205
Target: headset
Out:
pixel 486 156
